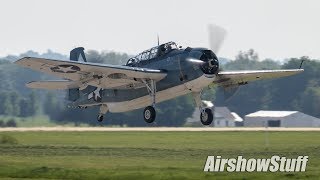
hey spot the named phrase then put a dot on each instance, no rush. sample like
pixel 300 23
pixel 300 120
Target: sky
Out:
pixel 276 29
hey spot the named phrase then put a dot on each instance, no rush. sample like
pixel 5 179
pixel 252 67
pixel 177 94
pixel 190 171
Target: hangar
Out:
pixel 280 119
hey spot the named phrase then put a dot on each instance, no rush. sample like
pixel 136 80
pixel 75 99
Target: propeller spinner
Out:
pixel 210 63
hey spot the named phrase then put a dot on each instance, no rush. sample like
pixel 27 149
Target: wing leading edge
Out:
pixel 235 78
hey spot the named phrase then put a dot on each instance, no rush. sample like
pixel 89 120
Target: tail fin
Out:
pixel 75 53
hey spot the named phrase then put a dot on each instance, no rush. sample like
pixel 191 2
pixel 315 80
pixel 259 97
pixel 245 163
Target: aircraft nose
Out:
pixel 211 63
pixel 205 59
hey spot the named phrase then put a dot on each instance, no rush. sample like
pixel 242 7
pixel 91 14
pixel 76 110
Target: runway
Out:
pixel 151 129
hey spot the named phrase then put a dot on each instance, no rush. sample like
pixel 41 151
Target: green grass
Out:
pixel 36 121
pixel 149 155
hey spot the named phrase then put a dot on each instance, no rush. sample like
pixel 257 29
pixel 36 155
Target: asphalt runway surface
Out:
pixel 164 129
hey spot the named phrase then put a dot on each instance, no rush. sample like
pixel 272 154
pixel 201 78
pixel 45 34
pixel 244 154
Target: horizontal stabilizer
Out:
pixel 59 84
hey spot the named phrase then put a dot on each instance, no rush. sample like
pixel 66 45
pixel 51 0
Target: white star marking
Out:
pixel 66 69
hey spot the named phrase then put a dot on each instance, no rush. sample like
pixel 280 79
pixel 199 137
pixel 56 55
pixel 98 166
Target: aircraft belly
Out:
pixel 145 101
pixel 170 93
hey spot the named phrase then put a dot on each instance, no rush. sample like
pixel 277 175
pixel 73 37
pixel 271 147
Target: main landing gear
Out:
pixel 206 115
pixel 149 113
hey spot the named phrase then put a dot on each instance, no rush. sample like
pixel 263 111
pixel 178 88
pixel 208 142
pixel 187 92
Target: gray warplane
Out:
pixel 155 75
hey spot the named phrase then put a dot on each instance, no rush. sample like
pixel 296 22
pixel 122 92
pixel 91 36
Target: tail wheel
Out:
pixel 100 118
pixel 149 114
pixel 206 117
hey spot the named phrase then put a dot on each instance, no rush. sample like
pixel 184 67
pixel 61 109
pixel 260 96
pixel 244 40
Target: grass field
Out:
pixel 35 121
pixel 148 155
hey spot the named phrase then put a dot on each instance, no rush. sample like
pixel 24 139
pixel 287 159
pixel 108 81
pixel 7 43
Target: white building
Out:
pixel 280 119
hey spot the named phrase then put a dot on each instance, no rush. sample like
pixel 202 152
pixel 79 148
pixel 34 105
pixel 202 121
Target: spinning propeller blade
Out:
pixel 217 35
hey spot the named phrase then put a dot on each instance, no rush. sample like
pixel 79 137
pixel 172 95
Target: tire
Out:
pixel 149 114
pixel 206 117
pixel 100 118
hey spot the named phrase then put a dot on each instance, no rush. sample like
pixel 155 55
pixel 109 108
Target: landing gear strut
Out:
pixel 206 115
pixel 149 113
pixel 103 110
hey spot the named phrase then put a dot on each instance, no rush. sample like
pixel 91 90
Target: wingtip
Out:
pixel 295 70
pixel 300 70
pixel 20 60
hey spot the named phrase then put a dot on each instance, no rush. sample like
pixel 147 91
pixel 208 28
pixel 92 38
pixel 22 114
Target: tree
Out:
pixel 51 106
pixel 310 99
pixel 107 57
pixel 2 124
pixel 11 123
pixel 29 106
pixel 33 103
pixel 7 106
pixel 15 100
pixel 2 102
pixel 24 110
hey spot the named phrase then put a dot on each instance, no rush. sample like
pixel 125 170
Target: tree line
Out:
pixel 300 92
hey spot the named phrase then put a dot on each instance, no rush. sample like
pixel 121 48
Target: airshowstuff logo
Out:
pixel 240 164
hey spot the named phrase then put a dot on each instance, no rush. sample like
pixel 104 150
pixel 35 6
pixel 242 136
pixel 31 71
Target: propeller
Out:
pixel 208 61
pixel 216 37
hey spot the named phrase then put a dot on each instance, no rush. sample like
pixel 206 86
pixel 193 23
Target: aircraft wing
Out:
pixel 236 78
pixel 84 73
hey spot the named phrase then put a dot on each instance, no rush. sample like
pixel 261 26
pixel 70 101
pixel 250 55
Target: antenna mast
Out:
pixel 158 39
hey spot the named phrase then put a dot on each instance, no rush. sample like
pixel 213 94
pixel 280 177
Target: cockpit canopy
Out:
pixel 154 52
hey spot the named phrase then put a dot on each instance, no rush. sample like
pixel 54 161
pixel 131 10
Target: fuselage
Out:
pixel 183 77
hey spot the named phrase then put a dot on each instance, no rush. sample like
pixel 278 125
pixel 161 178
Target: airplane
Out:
pixel 158 74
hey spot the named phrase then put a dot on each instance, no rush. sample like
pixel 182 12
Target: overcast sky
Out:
pixel 274 28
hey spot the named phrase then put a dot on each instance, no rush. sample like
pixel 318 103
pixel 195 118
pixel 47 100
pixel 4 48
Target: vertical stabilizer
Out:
pixel 75 53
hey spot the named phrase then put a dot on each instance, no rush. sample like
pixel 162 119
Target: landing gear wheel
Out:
pixel 206 117
pixel 100 118
pixel 149 114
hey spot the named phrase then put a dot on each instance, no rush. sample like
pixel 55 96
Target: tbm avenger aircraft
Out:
pixel 155 75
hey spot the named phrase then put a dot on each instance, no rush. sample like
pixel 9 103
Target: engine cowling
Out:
pixel 211 62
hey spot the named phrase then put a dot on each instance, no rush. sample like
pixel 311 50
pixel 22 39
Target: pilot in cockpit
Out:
pixel 164 49
pixel 161 50
pixel 168 48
